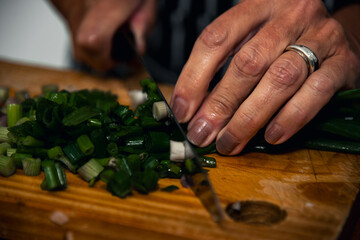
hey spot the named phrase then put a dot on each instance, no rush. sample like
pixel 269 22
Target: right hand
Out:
pixel 93 24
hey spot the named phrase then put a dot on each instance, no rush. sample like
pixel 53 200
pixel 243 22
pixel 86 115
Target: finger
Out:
pixel 142 22
pixel 333 74
pixel 244 72
pixel 94 38
pixel 307 102
pixel 211 49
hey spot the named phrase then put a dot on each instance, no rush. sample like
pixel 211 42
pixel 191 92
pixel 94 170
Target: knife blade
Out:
pixel 199 182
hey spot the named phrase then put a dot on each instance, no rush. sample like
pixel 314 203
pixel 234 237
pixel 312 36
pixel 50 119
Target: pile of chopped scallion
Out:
pixel 89 133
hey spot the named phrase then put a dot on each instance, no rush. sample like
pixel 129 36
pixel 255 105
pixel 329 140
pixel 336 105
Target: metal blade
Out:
pixel 199 182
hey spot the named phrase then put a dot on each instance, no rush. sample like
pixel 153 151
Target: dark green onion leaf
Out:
pixel 119 184
pixel 80 115
pixel 145 182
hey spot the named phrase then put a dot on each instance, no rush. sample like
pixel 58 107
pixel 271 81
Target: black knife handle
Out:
pixel 123 45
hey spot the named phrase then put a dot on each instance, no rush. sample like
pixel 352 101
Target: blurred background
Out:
pixel 31 31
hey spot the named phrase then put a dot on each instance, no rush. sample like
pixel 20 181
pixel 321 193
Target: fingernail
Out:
pixel 274 133
pixel 180 108
pixel 226 143
pixel 199 132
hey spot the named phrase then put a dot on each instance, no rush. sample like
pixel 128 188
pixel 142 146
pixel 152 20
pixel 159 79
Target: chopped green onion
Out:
pixel 112 148
pixel 106 175
pixel 160 110
pixel 90 170
pixel 54 176
pixel 73 152
pixel 10 151
pixel 56 153
pixel 4 147
pixel 80 115
pixel 18 157
pixel 7 166
pixel 22 120
pixel 85 144
pixel 146 181
pixel 157 142
pixel 4 134
pixel 13 113
pixel 30 141
pixel 61 175
pixel 179 151
pixel 103 161
pixel 208 162
pixel 119 184
pixel 31 166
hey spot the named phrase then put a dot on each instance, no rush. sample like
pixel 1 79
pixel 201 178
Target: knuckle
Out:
pixel 222 105
pixel 284 74
pixel 322 85
pixel 248 117
pixel 298 113
pixel 249 62
pixel 213 36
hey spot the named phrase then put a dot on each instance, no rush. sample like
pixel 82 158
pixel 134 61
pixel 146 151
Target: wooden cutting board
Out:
pixel 314 190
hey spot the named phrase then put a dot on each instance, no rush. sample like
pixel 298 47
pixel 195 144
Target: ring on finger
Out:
pixel 307 54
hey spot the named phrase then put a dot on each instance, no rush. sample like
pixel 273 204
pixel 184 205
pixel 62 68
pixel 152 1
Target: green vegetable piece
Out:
pixel 55 178
pixel 145 182
pixel 56 153
pixel 10 151
pixel 14 113
pixel 112 149
pixel 18 158
pixel 157 142
pixel 30 141
pixel 106 175
pixel 7 166
pixel 150 162
pixel 80 115
pixel 73 152
pixel 4 147
pixel 31 166
pixel 119 184
pixel 209 162
pixel 99 140
pixel 4 134
pixel 90 170
pixel 85 144
pixel 170 188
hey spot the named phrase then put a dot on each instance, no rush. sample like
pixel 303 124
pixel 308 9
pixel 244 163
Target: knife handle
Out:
pixel 123 45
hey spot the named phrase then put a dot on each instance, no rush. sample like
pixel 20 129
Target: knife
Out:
pixel 199 182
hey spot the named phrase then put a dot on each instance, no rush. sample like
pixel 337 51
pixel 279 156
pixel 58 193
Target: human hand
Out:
pixel 263 85
pixel 93 24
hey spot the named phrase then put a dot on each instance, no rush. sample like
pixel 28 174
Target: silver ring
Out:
pixel 309 56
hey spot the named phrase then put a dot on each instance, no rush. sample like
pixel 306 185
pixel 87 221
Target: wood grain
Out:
pixel 315 188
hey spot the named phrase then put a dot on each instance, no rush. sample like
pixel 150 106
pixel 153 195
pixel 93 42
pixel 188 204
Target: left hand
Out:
pixel 263 84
